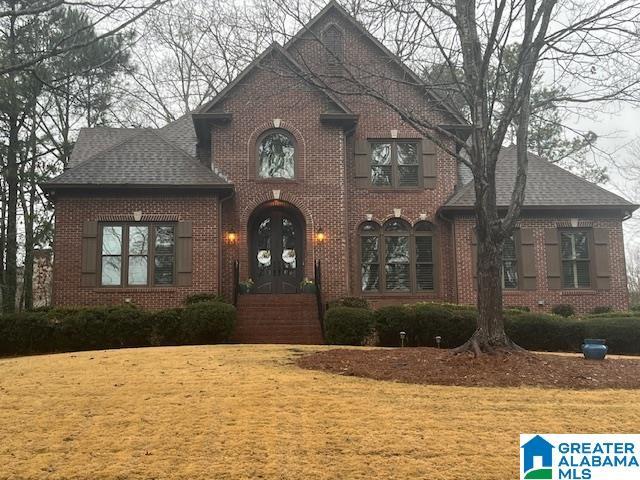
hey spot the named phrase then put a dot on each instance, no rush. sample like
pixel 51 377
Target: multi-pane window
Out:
pixel 137 254
pixel 276 155
pixel 509 264
pixel 397 258
pixel 395 164
pixel 574 251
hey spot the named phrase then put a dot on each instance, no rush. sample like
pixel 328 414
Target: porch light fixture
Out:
pixel 232 238
pixel 320 236
pixel 137 215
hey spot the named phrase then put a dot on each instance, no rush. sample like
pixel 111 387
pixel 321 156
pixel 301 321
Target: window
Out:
pixel 276 155
pixel 397 258
pixel 574 250
pixel 395 164
pixel 509 264
pixel 137 255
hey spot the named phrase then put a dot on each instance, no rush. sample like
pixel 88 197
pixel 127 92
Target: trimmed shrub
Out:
pixel 635 308
pixel 517 309
pixel 601 310
pixel 393 319
pixel 347 325
pixel 535 331
pixel 204 297
pixel 24 333
pixel 207 322
pixel 351 302
pixel 622 334
pixel 564 310
pixel 166 326
pixel 614 315
pixel 453 326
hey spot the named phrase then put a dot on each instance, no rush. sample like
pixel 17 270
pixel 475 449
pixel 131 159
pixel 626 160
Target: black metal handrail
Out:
pixel 317 278
pixel 236 281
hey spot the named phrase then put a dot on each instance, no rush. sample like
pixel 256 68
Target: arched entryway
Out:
pixel 276 248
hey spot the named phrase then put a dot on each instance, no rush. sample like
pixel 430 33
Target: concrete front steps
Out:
pixel 278 318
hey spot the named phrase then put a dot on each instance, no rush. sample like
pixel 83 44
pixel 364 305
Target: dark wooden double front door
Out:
pixel 276 251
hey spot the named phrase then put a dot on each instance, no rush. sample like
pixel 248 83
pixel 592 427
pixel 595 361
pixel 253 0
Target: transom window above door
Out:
pixel 276 152
pixel 395 163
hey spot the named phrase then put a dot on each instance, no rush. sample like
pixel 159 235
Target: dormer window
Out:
pixel 276 155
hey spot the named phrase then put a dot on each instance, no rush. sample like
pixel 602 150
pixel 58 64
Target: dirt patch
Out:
pixel 439 367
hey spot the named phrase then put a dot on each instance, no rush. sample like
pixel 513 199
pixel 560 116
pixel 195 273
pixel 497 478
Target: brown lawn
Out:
pixel 246 412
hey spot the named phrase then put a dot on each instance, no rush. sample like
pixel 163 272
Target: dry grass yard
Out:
pixel 247 412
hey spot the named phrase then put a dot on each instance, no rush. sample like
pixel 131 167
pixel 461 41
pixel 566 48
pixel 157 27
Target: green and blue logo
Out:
pixel 537 459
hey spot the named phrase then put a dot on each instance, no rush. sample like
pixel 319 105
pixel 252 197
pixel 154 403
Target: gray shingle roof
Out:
pixel 142 157
pixel 548 185
pixel 92 141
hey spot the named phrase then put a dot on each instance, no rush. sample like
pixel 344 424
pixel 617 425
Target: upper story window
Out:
pixel 509 264
pixel 276 155
pixel 395 163
pixel 137 254
pixel 396 257
pixel 574 252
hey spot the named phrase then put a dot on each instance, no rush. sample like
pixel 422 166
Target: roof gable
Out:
pixel 548 186
pixel 275 50
pixel 335 7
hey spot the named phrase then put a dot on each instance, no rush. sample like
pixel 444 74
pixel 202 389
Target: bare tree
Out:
pixel 583 46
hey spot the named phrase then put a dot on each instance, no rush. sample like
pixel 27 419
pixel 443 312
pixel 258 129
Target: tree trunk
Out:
pixel 11 273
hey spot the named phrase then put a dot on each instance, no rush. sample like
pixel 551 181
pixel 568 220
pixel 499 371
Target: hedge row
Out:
pixel 71 329
pixel 422 322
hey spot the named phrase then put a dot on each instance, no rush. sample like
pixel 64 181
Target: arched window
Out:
pixel 406 255
pixel 276 155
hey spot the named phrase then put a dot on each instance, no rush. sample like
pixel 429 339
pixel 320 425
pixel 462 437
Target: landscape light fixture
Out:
pixel 403 335
pixel 438 340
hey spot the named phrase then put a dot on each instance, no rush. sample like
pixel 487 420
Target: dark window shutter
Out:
pixel 552 253
pixel 602 261
pixel 429 169
pixel 89 275
pixel 184 253
pixel 527 259
pixel 474 258
pixel 362 164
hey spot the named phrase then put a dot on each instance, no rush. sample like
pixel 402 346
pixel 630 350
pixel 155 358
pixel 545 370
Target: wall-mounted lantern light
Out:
pixel 232 238
pixel 320 236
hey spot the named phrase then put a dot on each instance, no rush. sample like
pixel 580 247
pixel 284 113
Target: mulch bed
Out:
pixel 432 366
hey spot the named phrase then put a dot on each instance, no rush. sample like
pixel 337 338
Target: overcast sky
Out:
pixel 616 131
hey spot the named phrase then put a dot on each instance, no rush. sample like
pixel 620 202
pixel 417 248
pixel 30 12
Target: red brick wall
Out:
pixel 318 191
pixel 73 210
pixel 583 300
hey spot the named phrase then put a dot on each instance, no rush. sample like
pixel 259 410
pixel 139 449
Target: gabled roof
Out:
pixel 273 49
pixel 91 141
pixel 548 186
pixel 334 6
pixel 142 159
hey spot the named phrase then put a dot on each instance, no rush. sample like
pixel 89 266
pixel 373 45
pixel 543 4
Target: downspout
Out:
pixel 347 134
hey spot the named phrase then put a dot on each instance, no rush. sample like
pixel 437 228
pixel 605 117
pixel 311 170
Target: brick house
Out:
pixel 274 175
